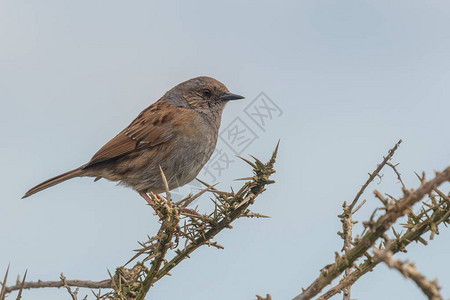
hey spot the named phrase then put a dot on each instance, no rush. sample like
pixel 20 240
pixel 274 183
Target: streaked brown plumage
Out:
pixel 178 132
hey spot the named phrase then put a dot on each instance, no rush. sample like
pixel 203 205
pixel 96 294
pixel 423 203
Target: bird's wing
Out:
pixel 152 127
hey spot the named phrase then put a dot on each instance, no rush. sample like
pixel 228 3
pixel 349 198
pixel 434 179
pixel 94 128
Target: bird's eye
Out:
pixel 206 93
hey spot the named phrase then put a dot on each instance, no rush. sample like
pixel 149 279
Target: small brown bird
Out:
pixel 178 132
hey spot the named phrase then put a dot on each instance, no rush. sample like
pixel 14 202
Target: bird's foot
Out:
pixel 183 209
pixel 150 202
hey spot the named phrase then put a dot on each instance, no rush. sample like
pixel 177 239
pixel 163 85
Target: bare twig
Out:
pixel 104 284
pixel 377 230
pixel 375 173
pixel 347 227
pixel 440 215
pixel 348 211
pixel 166 234
pixel 74 295
pixel 171 217
pixel 430 288
pixel 399 177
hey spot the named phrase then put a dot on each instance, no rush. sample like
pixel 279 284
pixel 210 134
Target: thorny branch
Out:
pixel 73 294
pixel 427 220
pixel 375 173
pixel 171 217
pixel 430 216
pixel 429 288
pixel 348 211
pixel 57 284
pixel 197 230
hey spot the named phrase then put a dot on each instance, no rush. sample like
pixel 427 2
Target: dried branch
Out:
pixel 99 295
pixel 399 177
pixel 430 288
pixel 417 226
pixel 104 284
pixel 374 231
pixel 348 211
pixel 375 173
pixel 165 235
pixel 74 295
pixel 347 227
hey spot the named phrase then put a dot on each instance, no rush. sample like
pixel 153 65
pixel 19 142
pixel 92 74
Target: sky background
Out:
pixel 348 78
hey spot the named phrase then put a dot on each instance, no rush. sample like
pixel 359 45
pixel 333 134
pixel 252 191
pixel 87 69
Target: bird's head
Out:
pixel 204 94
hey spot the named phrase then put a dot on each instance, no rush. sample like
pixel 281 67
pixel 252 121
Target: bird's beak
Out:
pixel 230 96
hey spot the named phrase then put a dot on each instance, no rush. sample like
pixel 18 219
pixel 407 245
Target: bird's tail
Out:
pixel 55 180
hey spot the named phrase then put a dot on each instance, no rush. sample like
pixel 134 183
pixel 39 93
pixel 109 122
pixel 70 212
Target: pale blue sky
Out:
pixel 351 78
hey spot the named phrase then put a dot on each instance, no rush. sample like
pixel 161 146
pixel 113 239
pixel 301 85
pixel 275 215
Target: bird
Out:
pixel 177 134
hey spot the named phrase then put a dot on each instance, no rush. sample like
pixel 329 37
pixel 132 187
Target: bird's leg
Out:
pixel 191 211
pixel 148 199
pixel 161 197
pixel 150 202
